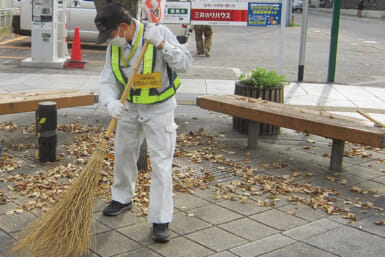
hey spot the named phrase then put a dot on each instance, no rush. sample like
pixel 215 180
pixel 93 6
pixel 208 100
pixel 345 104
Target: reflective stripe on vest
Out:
pixel 145 95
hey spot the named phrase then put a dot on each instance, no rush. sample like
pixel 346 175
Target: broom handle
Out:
pixel 370 118
pixel 126 91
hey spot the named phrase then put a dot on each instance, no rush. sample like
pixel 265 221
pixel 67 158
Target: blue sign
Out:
pixel 264 14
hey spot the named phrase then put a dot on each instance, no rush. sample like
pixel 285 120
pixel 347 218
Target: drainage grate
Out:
pixel 220 173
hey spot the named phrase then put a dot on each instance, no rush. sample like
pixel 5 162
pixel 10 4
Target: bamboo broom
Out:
pixel 64 230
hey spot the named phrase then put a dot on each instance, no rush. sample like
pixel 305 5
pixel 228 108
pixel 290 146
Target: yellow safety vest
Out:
pixel 144 95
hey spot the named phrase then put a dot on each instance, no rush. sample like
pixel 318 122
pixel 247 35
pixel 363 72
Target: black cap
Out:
pixel 108 20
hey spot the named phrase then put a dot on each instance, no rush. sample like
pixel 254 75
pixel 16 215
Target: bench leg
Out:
pixel 253 134
pixel 337 155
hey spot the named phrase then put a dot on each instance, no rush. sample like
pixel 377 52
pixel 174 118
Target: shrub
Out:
pixel 261 78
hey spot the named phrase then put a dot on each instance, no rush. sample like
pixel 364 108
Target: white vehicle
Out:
pixel 80 13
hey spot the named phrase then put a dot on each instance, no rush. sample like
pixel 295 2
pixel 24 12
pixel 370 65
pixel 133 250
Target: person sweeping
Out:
pixel 148 112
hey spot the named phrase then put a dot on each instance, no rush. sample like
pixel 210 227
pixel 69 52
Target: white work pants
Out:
pixel 155 123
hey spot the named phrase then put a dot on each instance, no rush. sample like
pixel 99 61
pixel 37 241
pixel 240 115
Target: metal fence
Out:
pixel 6 17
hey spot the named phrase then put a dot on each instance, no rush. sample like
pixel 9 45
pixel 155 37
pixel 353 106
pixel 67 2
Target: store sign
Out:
pixel 221 13
pixel 177 13
pixel 241 13
pixel 264 14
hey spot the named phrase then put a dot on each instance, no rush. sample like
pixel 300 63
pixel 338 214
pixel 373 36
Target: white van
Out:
pixel 80 13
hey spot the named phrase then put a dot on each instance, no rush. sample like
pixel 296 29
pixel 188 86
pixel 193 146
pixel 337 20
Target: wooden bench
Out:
pixel 29 101
pixel 336 127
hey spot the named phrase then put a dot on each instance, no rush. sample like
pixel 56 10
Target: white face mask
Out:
pixel 118 41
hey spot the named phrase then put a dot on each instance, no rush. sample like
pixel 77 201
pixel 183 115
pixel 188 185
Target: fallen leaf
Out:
pixel 357 189
pixel 244 199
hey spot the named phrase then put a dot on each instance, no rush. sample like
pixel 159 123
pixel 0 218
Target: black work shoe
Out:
pixel 160 232
pixel 115 208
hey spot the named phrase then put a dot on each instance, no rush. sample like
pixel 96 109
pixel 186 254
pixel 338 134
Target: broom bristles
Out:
pixel 65 229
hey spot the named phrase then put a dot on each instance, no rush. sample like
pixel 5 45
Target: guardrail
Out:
pixel 6 16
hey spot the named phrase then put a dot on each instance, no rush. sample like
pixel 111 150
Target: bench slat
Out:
pixel 28 101
pixel 315 122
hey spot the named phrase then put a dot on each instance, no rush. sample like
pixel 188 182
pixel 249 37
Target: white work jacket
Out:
pixel 175 55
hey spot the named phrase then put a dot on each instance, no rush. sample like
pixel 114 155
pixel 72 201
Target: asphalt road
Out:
pixel 360 56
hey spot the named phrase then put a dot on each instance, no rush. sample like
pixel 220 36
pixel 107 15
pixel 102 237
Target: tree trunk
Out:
pixel 130 5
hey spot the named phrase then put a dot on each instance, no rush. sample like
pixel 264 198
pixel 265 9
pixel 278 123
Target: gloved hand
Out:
pixel 153 35
pixel 115 108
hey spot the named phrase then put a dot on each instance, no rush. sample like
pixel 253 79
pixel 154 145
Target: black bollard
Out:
pixel 46 131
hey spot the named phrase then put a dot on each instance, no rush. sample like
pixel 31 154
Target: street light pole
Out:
pixel 305 16
pixel 334 41
pixel 282 36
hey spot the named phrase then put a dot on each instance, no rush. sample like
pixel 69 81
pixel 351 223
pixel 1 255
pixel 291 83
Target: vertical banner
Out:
pixel 153 10
pixel 264 14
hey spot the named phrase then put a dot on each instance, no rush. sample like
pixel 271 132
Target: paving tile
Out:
pixel 322 181
pixel 349 180
pixel 140 252
pixel 125 219
pixel 5 243
pixel 338 219
pixel 99 205
pixel 260 247
pixel 348 194
pixel 141 232
pixel 98 227
pixel 206 194
pixel 249 229
pixel 380 202
pixel 181 247
pixel 304 212
pixel 364 172
pixel 184 224
pixel 299 250
pixel 90 254
pixel 380 180
pixel 249 208
pixel 311 229
pixel 280 201
pixel 185 201
pixel 111 243
pixel 7 207
pixel 278 219
pixel 16 222
pixel 223 254
pixel 369 225
pixel 373 186
pixel 349 242
pixel 215 214
pixel 217 239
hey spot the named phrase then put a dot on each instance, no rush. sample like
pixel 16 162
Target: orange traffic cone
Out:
pixel 76 53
